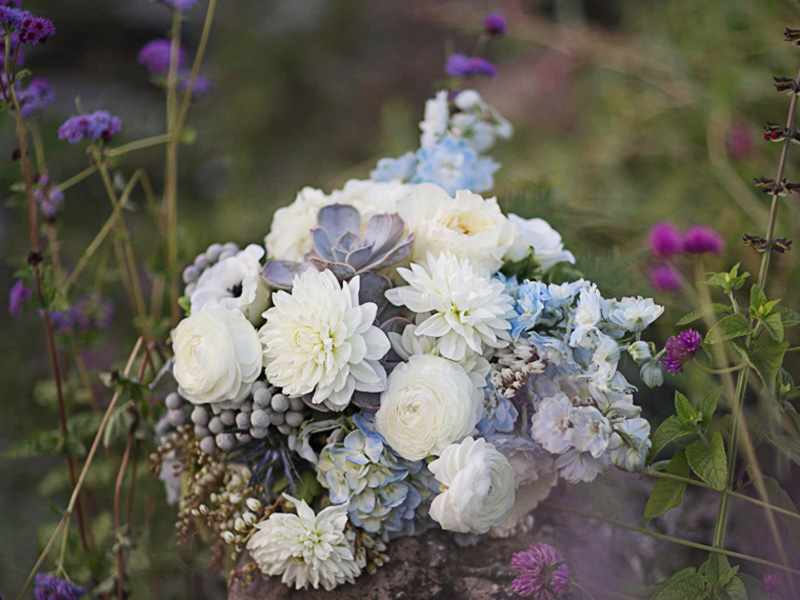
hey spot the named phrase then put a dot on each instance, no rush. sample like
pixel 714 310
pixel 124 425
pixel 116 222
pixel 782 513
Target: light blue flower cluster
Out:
pixel 362 469
pixel 582 406
pixel 455 136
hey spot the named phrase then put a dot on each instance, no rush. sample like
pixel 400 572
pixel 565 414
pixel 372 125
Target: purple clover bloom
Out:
pixel 459 65
pixel 665 240
pixel 35 30
pixel 680 349
pixel 155 56
pixel 99 125
pixel 543 574
pixel 665 278
pixel 702 240
pixel 495 24
pixel 18 296
pixel 50 587
pixel 35 97
pixel 48 197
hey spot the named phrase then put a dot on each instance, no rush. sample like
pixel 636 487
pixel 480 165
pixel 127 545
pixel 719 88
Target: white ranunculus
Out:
pixel 234 283
pixel 548 248
pixel 319 339
pixel 217 355
pixel 468 225
pixel 479 487
pixel 289 237
pixel 371 198
pixel 429 402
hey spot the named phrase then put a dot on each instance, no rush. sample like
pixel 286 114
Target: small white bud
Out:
pixel 253 504
pixel 203 509
pixel 651 374
pixel 228 537
pixel 235 498
pixel 640 351
pixel 239 524
pixel 249 517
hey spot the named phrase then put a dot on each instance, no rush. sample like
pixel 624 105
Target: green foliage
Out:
pixel 766 358
pixel 714 308
pixel 714 580
pixel 729 281
pixel 727 328
pixel 525 268
pixel 708 461
pixel 668 493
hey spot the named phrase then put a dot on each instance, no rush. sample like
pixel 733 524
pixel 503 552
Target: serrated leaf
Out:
pixel 670 430
pixel 735 589
pixel 767 359
pixel 709 309
pixel 773 325
pixel 789 317
pixel 708 406
pixel 38 443
pixel 685 410
pixel 727 328
pixel 683 588
pixel 709 462
pixel 668 493
pixel 757 297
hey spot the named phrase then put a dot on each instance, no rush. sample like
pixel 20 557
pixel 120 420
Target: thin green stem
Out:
pixel 76 178
pixel 171 168
pixel 198 60
pixel 149 142
pixel 711 371
pixel 674 540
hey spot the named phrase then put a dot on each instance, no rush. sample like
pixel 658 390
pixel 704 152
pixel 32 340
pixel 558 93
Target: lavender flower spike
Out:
pixel 50 587
pixel 680 349
pixel 543 574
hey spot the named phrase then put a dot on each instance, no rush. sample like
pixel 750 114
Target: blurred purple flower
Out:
pixel 665 240
pixel 12 50
pixel 495 24
pixel 14 16
pixel 459 65
pixel 35 97
pixel 50 587
pixel 770 583
pixel 48 197
pixel 98 125
pixel 665 278
pixel 18 296
pixel 740 141
pixel 543 574
pixel 181 5
pixel 16 3
pixel 701 240
pixel 680 349
pixel 155 56
pixel 202 85
pixel 35 30
pixel 89 313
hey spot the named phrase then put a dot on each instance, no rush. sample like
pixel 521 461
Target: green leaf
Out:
pixel 789 317
pixel 38 443
pixel 708 309
pixel 752 586
pixel 735 589
pixel 779 497
pixel 525 268
pixel 709 462
pixel 727 328
pixel 681 586
pixel 773 325
pixel 670 430
pixel 767 359
pixel 708 406
pixel 668 493
pixel 757 297
pixel 728 281
pixel 686 412
pixel 308 487
pixel 788 445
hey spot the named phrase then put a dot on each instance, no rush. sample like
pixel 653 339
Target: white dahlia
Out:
pixel 320 339
pixel 306 548
pixel 470 309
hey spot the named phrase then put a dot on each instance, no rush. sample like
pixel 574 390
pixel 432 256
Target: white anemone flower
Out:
pixel 306 548
pixel 320 339
pixel 470 310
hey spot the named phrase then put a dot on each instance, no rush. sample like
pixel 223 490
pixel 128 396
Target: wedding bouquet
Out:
pixel 399 355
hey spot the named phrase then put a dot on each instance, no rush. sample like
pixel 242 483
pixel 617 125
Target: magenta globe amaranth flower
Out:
pixel 543 574
pixel 770 583
pixel 702 240
pixel 50 587
pixel 495 24
pixel 665 278
pixel 665 240
pixel 680 349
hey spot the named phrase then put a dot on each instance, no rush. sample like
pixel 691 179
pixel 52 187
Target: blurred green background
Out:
pixel 635 111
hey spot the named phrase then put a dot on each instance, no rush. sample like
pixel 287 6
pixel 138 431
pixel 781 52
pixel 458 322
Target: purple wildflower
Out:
pixel 202 85
pixel 155 56
pixel 13 16
pixel 13 3
pixel 35 30
pixel 12 51
pixel 18 295
pixel 543 574
pixel 50 587
pixel 680 349
pixel 665 240
pixel 770 583
pixel 701 240
pixel 89 313
pixel 48 197
pixel 35 97
pixel 665 278
pixel 459 65
pixel 98 125
pixel 181 5
pixel 495 24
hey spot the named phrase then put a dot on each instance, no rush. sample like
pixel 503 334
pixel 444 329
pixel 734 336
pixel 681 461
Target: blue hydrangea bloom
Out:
pixel 453 165
pixel 395 169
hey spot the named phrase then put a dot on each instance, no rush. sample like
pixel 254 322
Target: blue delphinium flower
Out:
pixel 453 165
pixel 395 169
pixel 499 413
pixel 50 587
pixel 99 125
pixel 361 468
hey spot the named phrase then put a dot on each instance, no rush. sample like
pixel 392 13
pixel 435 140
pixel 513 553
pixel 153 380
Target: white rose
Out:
pixel 429 402
pixel 289 237
pixel 479 484
pixel 468 225
pixel 234 283
pixel 548 248
pixel 217 355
